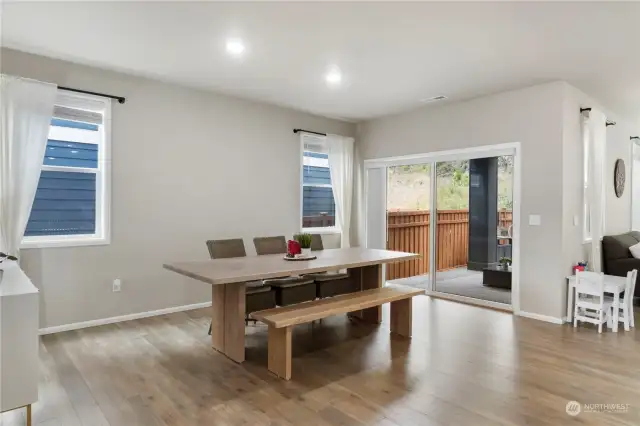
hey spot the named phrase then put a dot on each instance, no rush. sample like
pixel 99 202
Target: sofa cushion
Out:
pixel 617 246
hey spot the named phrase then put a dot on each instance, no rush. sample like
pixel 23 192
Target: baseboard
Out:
pixel 122 318
pixel 545 318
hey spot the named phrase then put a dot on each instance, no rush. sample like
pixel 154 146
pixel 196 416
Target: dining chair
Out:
pixel 258 296
pixel 316 242
pixel 289 290
pixel 270 245
pixel 224 249
pixel 626 307
pixel 330 283
pixel 590 302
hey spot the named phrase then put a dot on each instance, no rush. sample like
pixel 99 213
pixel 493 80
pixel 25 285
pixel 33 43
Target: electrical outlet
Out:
pixel 117 285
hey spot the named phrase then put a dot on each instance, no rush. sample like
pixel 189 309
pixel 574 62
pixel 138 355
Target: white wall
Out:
pixel 531 116
pixel 545 119
pixel 635 185
pixel 188 166
pixel 618 210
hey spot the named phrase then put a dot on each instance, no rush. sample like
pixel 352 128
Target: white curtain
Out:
pixel 341 162
pixel 595 130
pixel 26 107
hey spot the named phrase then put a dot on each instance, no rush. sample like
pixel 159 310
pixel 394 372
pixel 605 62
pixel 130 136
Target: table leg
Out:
pixel 372 278
pixel 227 320
pixel 616 311
pixel 217 317
pixel 355 274
pixel 570 302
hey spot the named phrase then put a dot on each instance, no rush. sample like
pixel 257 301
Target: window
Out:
pixel 71 205
pixel 318 206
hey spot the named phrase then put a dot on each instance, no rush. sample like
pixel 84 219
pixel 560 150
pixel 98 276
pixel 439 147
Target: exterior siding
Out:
pixel 65 201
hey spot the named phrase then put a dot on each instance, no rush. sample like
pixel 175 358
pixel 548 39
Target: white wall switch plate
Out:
pixel 535 220
pixel 576 220
pixel 117 285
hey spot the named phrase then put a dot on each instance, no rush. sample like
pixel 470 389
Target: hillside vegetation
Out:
pixel 409 187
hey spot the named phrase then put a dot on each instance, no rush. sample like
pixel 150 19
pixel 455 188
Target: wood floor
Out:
pixel 465 366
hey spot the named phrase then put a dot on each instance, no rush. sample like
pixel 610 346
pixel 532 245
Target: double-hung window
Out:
pixel 71 205
pixel 318 205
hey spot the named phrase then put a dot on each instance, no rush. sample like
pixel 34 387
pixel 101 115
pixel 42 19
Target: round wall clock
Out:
pixel 619 177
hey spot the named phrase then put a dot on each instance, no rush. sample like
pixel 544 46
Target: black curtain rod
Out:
pixel 120 99
pixel 309 131
pixel 609 123
pixel 635 138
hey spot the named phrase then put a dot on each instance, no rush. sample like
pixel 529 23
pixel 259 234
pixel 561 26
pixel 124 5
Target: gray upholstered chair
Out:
pixel 316 242
pixel 330 283
pixel 224 249
pixel 289 290
pixel 270 245
pixel 258 295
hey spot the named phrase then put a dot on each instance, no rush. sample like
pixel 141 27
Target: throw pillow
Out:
pixel 635 250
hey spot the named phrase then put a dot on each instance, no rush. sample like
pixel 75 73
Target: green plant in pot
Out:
pixel 505 263
pixel 305 243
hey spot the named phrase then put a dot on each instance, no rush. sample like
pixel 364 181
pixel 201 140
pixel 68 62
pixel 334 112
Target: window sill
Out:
pixel 329 230
pixel 63 241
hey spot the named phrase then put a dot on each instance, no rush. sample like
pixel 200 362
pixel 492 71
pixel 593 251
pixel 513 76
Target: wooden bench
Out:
pixel 281 320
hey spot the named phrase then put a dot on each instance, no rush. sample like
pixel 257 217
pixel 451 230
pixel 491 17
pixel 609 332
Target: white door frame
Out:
pixel 511 148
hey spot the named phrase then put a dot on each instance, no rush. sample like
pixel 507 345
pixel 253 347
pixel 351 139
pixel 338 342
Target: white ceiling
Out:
pixel 391 54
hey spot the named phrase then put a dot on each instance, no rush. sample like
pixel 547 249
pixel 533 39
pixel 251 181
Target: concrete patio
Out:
pixel 459 281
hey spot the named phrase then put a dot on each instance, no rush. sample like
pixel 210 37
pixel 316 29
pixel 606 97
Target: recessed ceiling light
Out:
pixel 235 47
pixel 434 99
pixel 334 76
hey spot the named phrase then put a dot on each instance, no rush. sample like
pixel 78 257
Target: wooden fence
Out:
pixel 409 231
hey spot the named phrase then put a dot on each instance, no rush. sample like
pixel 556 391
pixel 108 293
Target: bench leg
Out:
pixel 280 352
pixel 401 315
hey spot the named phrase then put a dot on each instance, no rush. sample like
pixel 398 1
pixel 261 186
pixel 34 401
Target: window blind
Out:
pixel 74 114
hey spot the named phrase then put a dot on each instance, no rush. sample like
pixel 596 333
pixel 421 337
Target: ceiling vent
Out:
pixel 434 99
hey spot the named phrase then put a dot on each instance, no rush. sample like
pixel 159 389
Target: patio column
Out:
pixel 483 213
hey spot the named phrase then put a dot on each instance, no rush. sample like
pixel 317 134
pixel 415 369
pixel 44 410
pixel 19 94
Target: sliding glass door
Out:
pixel 473 228
pixel 455 209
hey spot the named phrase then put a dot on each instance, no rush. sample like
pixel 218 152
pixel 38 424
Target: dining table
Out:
pixel 612 284
pixel 227 278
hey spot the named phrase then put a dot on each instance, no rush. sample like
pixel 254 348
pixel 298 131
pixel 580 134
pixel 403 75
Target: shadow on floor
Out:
pixel 459 281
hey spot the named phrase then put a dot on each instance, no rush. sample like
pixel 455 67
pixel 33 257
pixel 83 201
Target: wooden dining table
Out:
pixel 227 278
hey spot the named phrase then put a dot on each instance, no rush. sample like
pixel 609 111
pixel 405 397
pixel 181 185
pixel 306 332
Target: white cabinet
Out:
pixel 18 339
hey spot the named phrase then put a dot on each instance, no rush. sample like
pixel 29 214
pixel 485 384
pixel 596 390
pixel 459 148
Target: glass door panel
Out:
pixel 408 222
pixel 474 201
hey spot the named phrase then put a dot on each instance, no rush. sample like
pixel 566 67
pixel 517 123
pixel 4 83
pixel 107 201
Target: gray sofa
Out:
pixel 617 259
